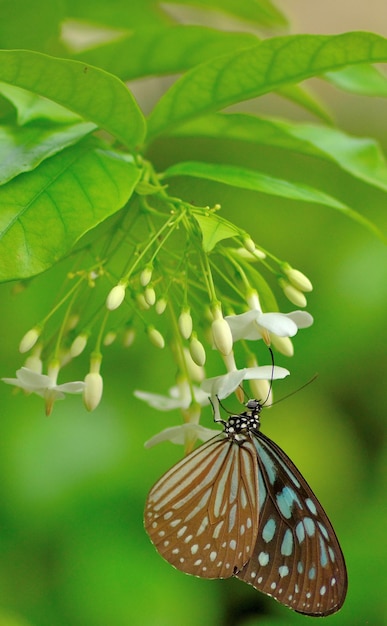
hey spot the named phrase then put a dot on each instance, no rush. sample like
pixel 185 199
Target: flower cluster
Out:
pixel 185 277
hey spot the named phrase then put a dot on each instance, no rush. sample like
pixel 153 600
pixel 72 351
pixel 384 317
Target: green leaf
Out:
pixel 359 156
pixel 257 11
pixel 272 64
pixel 166 50
pixel 22 149
pixel 90 92
pixel 46 211
pixel 214 229
pixel 365 80
pixel 257 181
pixel 177 48
pixel 31 107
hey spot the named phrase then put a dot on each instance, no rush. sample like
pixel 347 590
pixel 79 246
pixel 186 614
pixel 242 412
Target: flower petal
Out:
pixel 278 323
pixel 157 401
pixel 222 386
pixel 266 372
pixel 244 325
pixel 74 387
pixel 178 434
pixel 31 380
pixel 301 318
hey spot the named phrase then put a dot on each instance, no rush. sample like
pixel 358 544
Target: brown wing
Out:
pixel 202 515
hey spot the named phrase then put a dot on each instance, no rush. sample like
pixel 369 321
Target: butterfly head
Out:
pixel 238 426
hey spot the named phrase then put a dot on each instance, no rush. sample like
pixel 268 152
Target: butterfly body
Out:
pixel 237 506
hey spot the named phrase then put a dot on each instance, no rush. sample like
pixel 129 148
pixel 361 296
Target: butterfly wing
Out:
pixel 297 558
pixel 202 515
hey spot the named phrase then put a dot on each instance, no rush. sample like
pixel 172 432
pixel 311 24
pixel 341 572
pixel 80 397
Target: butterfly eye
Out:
pixel 238 506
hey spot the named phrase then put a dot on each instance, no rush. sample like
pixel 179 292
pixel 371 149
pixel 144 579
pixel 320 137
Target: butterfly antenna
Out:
pixel 296 390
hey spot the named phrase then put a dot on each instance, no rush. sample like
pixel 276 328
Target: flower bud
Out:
pixel 72 322
pixel 29 340
pixel 284 345
pixel 146 275
pixel 222 337
pixel 185 324
pixel 109 338
pixel 34 363
pixel 195 371
pixel 142 303
pixel 250 256
pixel 197 351
pixel 249 244
pixel 294 295
pixel 261 390
pixel 129 337
pixel 92 392
pixel 115 297
pixel 78 345
pixel 150 296
pixel 161 305
pixel 297 278
pixel 156 337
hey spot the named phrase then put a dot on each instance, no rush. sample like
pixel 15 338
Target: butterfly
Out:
pixel 238 506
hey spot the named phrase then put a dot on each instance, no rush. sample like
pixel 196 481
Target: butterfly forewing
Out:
pixel 297 558
pixel 202 515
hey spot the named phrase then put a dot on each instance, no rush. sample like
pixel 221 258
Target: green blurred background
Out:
pixel 73 486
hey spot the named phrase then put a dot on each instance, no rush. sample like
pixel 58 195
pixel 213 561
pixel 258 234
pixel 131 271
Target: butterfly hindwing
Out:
pixel 297 558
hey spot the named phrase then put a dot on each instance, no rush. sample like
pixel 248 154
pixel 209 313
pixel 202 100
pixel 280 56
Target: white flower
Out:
pixel 44 385
pixel 180 434
pixel 179 398
pixel 223 386
pixel 254 324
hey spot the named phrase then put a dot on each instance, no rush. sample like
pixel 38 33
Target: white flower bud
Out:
pixel 261 390
pixel 197 351
pixel 109 338
pixel 34 363
pixel 115 297
pixel 284 345
pixel 72 321
pixel 129 337
pixel 297 278
pixel 294 295
pixel 250 256
pixel 150 296
pixel 92 392
pixel 142 303
pixel 78 345
pixel 156 337
pixel 221 334
pixel 29 340
pixel 195 371
pixel 146 275
pixel 185 324
pixel 161 305
pixel 249 245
